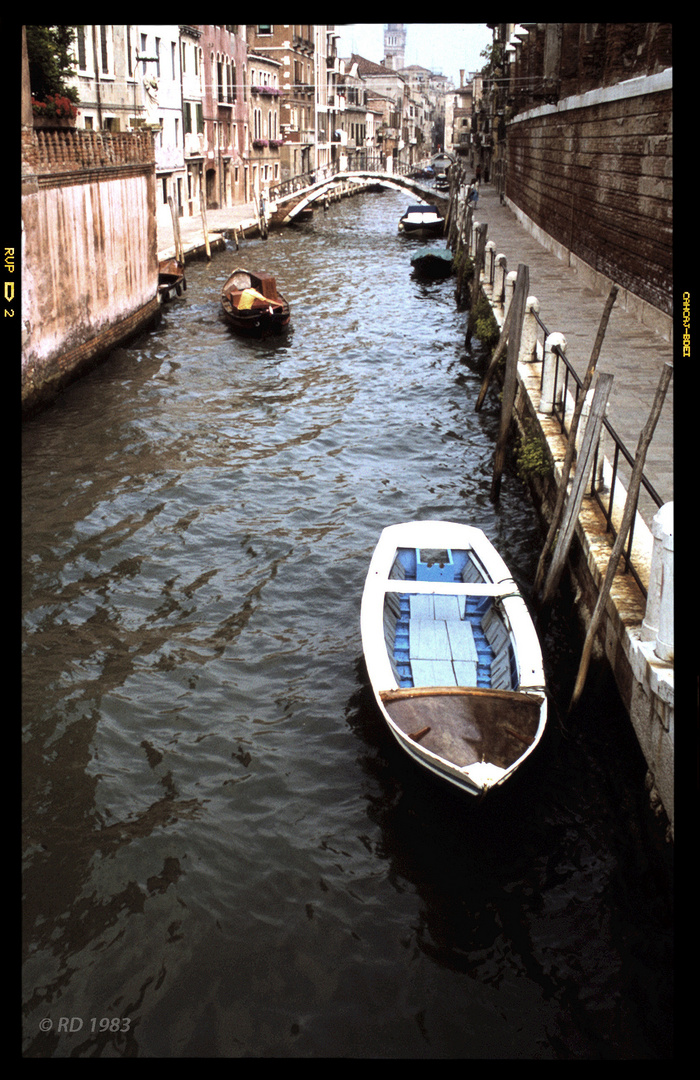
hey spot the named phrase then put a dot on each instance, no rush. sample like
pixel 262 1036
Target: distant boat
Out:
pixel 253 305
pixel 432 262
pixel 422 220
pixel 171 279
pixel 452 654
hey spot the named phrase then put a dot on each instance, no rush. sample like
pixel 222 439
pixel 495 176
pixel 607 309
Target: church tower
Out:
pixel 394 45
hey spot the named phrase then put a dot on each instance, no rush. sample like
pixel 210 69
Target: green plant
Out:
pixel 484 323
pixel 531 457
pixel 51 62
pixel 463 264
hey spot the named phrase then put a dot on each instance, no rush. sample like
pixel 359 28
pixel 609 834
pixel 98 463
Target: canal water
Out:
pixel 225 854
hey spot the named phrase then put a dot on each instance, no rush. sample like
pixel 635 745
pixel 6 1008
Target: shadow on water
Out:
pixel 527 890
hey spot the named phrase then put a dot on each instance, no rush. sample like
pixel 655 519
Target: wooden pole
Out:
pixel 497 353
pixel 479 259
pixel 480 253
pixel 510 382
pixel 571 444
pixel 179 255
pixel 583 468
pixel 205 227
pixel 630 509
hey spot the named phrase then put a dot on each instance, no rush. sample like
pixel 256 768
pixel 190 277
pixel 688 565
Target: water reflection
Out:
pixel 223 844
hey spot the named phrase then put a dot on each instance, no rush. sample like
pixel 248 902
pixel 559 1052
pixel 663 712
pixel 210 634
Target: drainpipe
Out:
pixel 97 77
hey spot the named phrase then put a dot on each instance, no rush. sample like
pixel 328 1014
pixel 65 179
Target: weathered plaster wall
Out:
pixel 89 262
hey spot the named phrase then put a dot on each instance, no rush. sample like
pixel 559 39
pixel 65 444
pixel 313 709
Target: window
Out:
pixel 264 28
pixel 106 50
pixel 80 41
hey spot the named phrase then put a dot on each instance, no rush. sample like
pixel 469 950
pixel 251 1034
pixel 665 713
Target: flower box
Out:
pixel 57 107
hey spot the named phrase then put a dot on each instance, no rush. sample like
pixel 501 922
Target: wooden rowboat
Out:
pixel 452 654
pixel 252 304
pixel 171 279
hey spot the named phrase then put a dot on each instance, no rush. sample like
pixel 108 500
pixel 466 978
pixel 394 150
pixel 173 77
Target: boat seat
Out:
pixel 442 651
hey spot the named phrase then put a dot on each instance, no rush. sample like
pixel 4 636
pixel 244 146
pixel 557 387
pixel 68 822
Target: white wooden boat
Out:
pixel 422 220
pixel 452 654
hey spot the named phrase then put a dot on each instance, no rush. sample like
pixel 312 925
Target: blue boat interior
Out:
pixel 443 640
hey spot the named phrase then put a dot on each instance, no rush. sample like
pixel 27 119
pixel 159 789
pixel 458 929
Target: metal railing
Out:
pixel 567 382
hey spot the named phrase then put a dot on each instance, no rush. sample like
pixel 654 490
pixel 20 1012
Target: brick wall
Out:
pixel 589 147
pixel 598 179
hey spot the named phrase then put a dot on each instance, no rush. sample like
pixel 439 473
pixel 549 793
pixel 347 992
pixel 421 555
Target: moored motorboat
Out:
pixel 432 262
pixel 422 220
pixel 252 304
pixel 452 654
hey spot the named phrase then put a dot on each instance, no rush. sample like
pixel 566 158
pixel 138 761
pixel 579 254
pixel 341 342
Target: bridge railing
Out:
pixel 377 163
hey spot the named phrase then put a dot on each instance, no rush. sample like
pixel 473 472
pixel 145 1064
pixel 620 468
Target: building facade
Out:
pixel 238 108
pixel 264 126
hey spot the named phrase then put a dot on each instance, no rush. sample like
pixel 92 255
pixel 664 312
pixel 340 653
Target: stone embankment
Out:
pixel 636 630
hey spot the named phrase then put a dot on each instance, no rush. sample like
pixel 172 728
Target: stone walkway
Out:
pixel 192 229
pixel 632 353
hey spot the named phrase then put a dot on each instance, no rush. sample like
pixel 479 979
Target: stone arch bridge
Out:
pixel 286 207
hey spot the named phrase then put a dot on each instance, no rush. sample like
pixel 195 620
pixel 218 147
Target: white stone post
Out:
pixel 658 618
pixel 549 368
pixel 489 266
pixel 474 238
pixel 511 278
pixel 499 279
pixel 528 341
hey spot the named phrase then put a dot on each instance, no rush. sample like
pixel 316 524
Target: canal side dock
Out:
pixel 571 299
pixel 221 224
pixel 636 346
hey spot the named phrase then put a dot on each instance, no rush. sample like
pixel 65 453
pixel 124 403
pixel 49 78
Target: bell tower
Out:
pixel 394 46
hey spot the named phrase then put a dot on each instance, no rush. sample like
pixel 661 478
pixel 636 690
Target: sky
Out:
pixel 444 48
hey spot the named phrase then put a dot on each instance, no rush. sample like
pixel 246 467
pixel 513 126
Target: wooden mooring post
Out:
pixel 628 513
pixel 584 465
pixel 510 381
pixel 205 227
pixel 179 253
pixel 479 261
pixel 571 444
pixel 497 354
